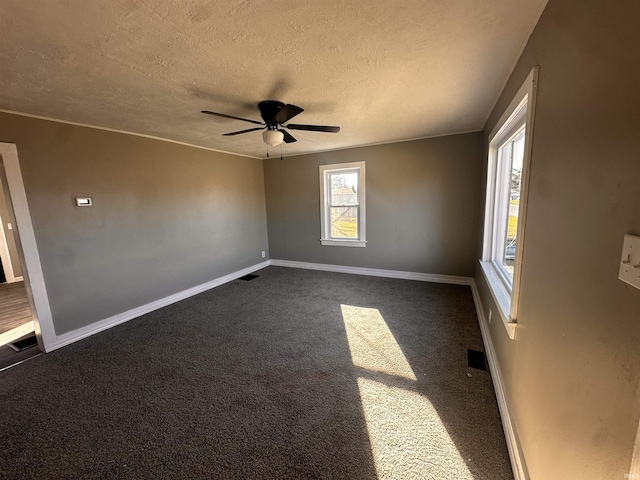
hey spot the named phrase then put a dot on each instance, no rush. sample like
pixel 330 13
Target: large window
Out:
pixel 509 154
pixel 342 204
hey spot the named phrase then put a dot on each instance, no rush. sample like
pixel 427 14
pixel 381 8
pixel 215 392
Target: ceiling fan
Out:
pixel 274 114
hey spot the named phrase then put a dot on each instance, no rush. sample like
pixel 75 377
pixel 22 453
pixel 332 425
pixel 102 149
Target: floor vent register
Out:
pixel 25 343
pixel 476 359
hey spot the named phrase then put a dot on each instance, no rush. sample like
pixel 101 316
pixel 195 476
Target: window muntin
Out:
pixel 342 204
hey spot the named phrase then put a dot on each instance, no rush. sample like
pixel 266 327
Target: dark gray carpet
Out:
pixel 257 380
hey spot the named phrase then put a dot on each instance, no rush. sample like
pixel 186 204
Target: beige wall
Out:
pixel 166 217
pixel 421 206
pixel 6 215
pixel 572 374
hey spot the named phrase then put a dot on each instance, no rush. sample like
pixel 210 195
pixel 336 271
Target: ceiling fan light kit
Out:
pixel 275 114
pixel 273 137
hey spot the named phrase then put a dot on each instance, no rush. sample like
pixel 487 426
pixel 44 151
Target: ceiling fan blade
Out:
pixel 286 113
pixel 242 131
pixel 313 128
pixel 231 116
pixel 288 138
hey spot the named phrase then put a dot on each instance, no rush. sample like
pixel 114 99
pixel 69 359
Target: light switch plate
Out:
pixel 630 261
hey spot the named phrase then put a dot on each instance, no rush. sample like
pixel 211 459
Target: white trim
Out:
pixel 40 309
pixel 501 297
pixel 99 326
pixel 514 116
pixel 18 279
pixel 531 85
pixel 4 255
pixel 343 243
pixel 510 120
pixel 375 272
pixel 125 132
pixel 515 453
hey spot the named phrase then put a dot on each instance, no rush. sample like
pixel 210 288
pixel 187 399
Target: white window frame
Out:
pixel 325 212
pixel 505 291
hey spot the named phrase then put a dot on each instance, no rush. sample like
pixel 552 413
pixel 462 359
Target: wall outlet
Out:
pixel 263 254
pixel 490 312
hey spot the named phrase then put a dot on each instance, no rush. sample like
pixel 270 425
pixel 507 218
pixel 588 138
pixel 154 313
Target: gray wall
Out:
pixel 167 217
pixel 572 374
pixel 421 205
pixel 6 214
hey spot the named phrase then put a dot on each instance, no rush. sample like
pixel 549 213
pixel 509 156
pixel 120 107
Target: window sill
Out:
pixel 343 243
pixel 501 296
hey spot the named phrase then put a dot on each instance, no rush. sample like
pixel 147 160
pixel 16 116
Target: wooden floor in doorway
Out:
pixel 14 306
pixel 15 323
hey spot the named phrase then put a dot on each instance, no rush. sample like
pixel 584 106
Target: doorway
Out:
pixel 16 323
pixel 24 306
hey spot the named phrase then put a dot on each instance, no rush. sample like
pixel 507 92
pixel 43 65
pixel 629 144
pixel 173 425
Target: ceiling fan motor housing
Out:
pixel 268 110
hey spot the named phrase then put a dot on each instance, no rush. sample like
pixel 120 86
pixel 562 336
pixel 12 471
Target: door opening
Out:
pixel 24 305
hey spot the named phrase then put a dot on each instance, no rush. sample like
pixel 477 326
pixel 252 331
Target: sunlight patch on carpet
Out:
pixel 373 346
pixel 408 438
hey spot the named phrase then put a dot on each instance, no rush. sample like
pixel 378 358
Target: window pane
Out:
pixel 344 188
pixel 344 222
pixel 514 155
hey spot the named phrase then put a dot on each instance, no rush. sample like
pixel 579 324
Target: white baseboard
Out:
pixel 79 334
pixel 375 272
pixel 515 454
pixel 101 325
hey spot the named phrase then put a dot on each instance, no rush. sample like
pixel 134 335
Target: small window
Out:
pixel 507 173
pixel 342 204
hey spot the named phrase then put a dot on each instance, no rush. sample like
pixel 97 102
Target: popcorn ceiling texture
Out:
pixel 383 71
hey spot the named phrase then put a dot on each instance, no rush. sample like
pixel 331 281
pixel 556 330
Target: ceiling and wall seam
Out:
pixel 383 74
pixel 124 132
pixel 406 140
pixel 515 62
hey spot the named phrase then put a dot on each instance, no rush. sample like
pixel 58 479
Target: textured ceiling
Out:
pixel 383 71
